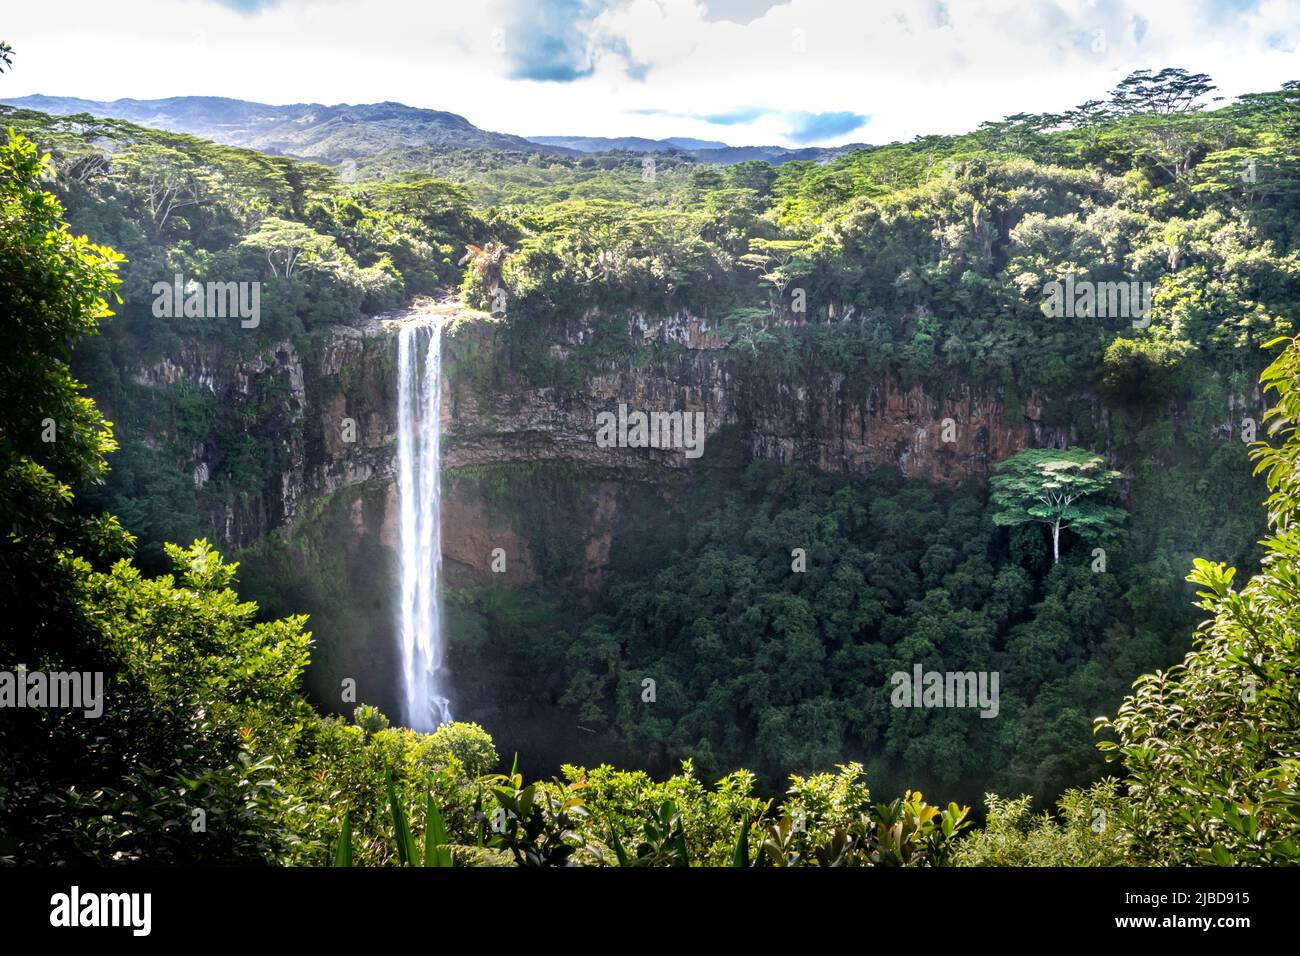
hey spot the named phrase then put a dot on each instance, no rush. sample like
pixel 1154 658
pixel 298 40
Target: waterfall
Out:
pixel 419 402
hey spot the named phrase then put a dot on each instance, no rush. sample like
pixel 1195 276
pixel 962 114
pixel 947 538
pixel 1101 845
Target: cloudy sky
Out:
pixel 788 72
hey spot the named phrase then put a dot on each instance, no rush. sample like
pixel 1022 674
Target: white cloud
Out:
pixel 914 66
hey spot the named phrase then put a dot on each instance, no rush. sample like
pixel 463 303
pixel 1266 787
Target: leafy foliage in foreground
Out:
pixel 605 817
pixel 1212 745
pixel 1081 833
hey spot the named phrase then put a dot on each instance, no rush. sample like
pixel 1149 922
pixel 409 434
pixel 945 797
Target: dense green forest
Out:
pixel 923 262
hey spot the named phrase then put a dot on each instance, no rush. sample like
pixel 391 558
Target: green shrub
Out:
pixel 467 743
pixel 1083 834
pixel 1212 745
pixel 369 719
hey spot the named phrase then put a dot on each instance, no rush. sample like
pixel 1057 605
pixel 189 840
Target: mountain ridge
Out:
pixel 636 144
pixel 334 134
pixel 329 134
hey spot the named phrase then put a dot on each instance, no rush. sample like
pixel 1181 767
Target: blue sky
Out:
pixel 792 72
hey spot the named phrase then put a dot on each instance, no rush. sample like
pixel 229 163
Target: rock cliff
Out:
pixel 327 407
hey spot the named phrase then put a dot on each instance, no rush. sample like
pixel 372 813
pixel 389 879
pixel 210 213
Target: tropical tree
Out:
pixel 778 261
pixel 290 246
pixel 188 738
pixel 486 262
pixel 1050 486
pixel 166 180
pixel 1170 91
pixel 54 288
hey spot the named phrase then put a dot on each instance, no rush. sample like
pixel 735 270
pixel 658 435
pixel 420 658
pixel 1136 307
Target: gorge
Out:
pixel 521 472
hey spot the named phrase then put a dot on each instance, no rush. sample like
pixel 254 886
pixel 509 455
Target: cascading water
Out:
pixel 419 403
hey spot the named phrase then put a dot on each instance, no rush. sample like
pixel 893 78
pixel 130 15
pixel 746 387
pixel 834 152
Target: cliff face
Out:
pixel 491 417
pixel 941 440
pixel 319 416
pixel 325 411
pixel 827 423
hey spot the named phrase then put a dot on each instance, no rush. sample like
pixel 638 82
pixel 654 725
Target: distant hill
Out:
pixel 776 155
pixel 636 144
pixel 701 150
pixel 326 134
pixel 335 134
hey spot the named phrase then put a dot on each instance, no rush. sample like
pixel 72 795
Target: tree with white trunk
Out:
pixel 1058 488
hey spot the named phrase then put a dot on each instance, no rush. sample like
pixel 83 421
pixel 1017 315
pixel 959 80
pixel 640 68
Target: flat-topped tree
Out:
pixel 779 261
pixel 1054 487
pixel 1170 91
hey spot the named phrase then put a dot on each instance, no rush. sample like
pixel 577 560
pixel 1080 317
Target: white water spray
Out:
pixel 419 403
